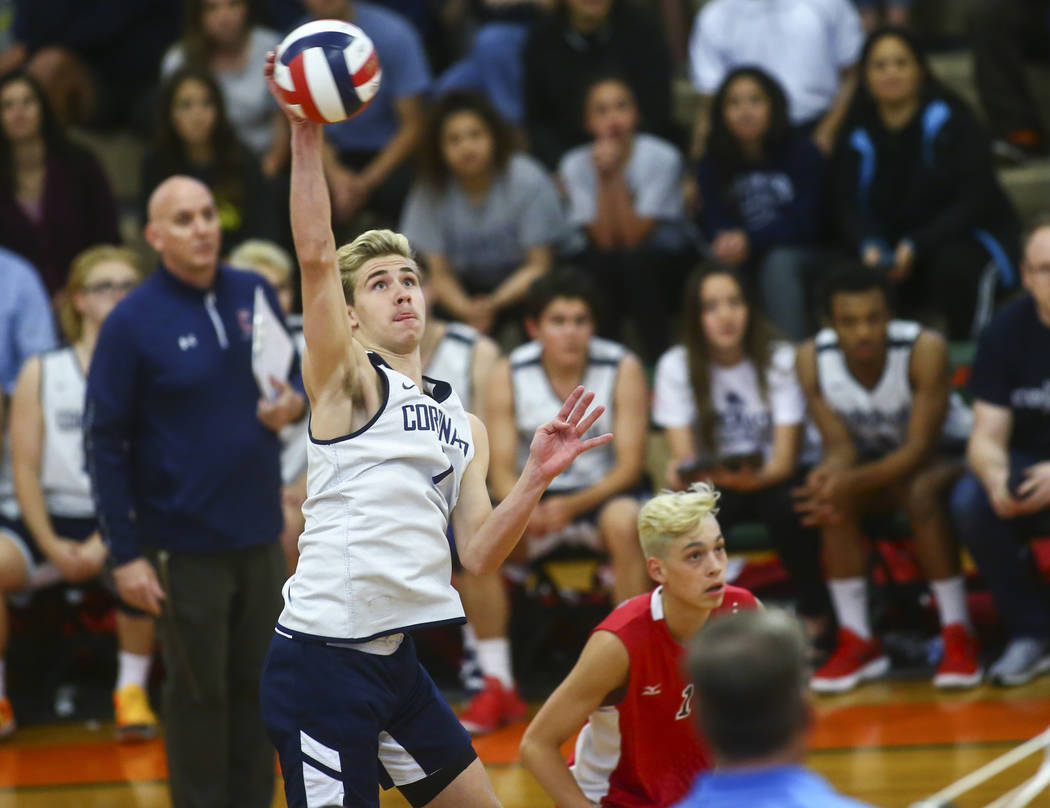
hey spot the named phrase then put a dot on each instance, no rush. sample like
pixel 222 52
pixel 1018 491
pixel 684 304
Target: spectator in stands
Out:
pixel 624 193
pixel 275 264
pixel 914 191
pixel 749 673
pixel 892 433
pixel 493 65
pixel 57 537
pixel 876 13
pixel 97 61
pixel 569 48
pixel 185 465
pixel 809 46
pixel 1005 498
pixel 593 503
pixel 733 412
pixel 628 692
pixel 225 38
pixel 194 138
pixel 55 200
pixel 367 163
pixel 485 217
pixel 762 188
pixel 1003 37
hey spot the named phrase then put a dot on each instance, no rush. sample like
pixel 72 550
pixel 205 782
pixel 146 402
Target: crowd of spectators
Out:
pixel 544 148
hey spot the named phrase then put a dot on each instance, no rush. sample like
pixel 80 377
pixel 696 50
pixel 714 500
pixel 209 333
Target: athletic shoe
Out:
pixel 135 720
pixel 960 665
pixel 7 718
pixel 1023 660
pixel 493 707
pixel 854 660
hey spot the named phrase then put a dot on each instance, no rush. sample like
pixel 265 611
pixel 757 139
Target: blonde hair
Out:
pixel 257 252
pixel 370 244
pixel 71 320
pixel 672 514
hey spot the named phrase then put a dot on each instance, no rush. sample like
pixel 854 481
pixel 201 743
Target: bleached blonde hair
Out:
pixel 673 514
pixel 370 244
pixel 256 252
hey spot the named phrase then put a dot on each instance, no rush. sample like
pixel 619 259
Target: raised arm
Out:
pixel 602 668
pixel 330 347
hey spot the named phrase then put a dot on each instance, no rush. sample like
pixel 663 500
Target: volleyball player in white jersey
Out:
pixel 393 456
pixel 594 502
pixel 878 390
pixel 57 535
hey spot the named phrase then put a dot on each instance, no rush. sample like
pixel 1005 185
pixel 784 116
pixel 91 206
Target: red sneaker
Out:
pixel 854 660
pixel 960 666
pixel 7 718
pixel 492 707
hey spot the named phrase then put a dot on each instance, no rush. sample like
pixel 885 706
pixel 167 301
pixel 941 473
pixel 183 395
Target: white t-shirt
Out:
pixel 744 420
pixel 803 44
pixel 653 173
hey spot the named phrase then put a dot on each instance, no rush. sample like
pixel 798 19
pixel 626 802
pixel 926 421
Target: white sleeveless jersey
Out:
pixel 294 436
pixel 535 403
pixel 877 419
pixel 453 361
pixel 63 471
pixel 373 558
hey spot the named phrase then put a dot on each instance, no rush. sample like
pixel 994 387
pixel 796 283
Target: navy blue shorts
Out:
pixel 346 721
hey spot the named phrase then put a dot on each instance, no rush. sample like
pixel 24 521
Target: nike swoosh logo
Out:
pixel 408 386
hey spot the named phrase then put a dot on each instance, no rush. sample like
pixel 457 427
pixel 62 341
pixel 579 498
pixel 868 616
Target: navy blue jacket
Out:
pixel 177 456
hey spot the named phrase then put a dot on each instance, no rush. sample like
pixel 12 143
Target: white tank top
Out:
pixel 373 558
pixel 63 471
pixel 877 419
pixel 535 403
pixel 453 361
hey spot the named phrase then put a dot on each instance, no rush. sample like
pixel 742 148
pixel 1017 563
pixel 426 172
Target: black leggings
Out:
pixel 797 546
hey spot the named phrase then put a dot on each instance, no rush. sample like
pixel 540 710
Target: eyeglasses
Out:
pixel 109 287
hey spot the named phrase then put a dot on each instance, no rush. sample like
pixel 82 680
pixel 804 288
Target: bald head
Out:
pixel 184 228
pixel 171 190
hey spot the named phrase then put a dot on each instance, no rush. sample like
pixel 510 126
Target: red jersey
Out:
pixel 646 750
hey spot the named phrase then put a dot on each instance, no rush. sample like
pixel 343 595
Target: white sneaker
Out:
pixel 1023 660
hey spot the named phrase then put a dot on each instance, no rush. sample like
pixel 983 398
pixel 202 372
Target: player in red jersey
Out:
pixel 639 746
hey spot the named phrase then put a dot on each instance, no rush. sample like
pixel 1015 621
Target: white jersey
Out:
pixel 535 403
pixel 373 558
pixel 63 470
pixel 295 435
pixel 453 361
pixel 877 419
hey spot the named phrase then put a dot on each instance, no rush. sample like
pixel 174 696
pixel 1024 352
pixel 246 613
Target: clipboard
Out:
pixel 272 348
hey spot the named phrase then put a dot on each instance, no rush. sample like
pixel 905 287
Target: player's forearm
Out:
pixel 545 762
pixel 989 460
pixel 492 542
pixel 892 468
pixel 311 211
pixel 32 505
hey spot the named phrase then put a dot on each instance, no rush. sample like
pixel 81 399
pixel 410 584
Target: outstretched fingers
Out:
pixel 590 443
pixel 570 403
pixel 588 422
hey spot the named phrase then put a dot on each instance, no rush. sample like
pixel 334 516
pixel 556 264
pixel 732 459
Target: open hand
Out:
pixel 560 441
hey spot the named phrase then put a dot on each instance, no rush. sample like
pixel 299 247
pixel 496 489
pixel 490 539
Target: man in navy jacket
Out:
pixel 185 465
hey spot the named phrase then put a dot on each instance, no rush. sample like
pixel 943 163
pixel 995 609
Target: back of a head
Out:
pixel 750 674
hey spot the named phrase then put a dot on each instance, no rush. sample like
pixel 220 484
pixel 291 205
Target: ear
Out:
pixel 354 322
pixel 153 236
pixel 532 328
pixel 655 568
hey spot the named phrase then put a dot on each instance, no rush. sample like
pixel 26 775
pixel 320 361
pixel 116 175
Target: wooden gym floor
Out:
pixel 888 743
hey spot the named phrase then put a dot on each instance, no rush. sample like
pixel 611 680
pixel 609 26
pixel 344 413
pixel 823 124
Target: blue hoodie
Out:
pixel 177 456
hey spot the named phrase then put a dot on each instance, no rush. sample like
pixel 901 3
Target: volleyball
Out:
pixel 328 70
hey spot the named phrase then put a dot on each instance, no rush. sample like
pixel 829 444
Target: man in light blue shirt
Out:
pixel 26 324
pixel 750 674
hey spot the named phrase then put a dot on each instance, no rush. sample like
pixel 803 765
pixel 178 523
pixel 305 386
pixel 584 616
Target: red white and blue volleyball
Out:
pixel 328 70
